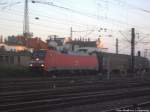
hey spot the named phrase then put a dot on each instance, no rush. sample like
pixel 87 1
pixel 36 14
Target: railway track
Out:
pixel 27 95
pixel 45 99
pixel 60 101
pixel 50 83
pixel 142 107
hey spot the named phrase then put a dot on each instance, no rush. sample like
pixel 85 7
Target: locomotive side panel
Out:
pixel 60 61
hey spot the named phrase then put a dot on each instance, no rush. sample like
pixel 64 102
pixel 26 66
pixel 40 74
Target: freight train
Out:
pixel 53 61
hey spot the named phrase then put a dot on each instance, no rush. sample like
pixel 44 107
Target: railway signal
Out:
pixel 116 45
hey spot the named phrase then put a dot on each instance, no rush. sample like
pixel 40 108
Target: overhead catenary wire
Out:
pixel 131 6
pixel 50 18
pixel 11 27
pixel 83 14
pixel 45 26
pixel 10 5
pixel 3 3
pixel 121 22
pixel 135 7
pixel 16 21
pixel 78 31
pixel 126 39
pixel 79 12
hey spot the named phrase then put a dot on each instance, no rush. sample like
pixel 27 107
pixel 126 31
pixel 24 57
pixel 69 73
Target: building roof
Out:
pixel 83 43
pixel 35 43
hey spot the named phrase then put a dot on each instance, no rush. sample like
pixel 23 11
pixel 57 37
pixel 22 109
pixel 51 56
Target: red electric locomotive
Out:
pixel 54 61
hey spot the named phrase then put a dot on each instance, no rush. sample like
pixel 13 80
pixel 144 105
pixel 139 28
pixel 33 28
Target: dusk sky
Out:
pixel 116 16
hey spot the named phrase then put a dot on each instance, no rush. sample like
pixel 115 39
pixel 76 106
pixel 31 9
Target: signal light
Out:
pixel 37 59
pixel 42 65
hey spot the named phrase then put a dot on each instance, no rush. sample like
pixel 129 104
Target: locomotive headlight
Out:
pixel 42 65
pixel 37 59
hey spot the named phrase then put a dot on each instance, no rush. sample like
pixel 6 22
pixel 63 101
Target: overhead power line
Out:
pixel 135 7
pixel 126 39
pixel 10 5
pixel 64 8
pixel 48 18
pixel 3 3
pixel 41 25
pixel 94 16
pixel 128 5
pixel 82 13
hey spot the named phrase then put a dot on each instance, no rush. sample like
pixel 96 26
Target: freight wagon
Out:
pixel 120 62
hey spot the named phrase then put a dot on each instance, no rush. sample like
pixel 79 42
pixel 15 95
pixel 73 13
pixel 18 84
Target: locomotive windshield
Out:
pixel 39 54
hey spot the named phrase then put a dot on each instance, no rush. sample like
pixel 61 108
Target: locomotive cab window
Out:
pixel 39 54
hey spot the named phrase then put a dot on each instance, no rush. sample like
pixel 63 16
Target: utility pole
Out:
pixel 26 20
pixel 132 49
pixel 108 68
pixel 116 45
pixel 71 32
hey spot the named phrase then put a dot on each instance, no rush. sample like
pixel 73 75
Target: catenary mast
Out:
pixel 26 20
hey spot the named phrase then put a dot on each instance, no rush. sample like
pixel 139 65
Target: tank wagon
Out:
pixel 97 62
